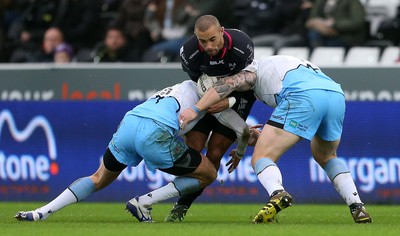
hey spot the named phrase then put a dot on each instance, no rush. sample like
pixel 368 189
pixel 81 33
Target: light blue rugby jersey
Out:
pixel 165 105
pixel 280 75
pixel 164 110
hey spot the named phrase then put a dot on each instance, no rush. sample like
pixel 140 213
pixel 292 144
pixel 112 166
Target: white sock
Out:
pixel 271 179
pixel 345 186
pixel 64 199
pixel 166 192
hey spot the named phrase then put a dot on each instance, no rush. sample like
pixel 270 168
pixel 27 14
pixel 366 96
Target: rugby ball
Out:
pixel 204 83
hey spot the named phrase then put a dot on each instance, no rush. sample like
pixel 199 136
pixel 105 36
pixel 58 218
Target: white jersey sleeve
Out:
pixel 186 95
pixel 269 81
pixel 271 72
pixel 232 120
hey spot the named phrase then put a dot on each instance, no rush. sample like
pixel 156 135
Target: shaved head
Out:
pixel 205 22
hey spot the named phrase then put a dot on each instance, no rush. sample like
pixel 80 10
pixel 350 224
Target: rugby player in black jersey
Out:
pixel 215 51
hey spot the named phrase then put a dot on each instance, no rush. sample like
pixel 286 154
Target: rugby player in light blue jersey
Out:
pixel 308 105
pixel 149 132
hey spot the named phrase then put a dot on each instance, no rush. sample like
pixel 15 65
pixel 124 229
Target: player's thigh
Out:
pixel 193 164
pixel 196 139
pixel 132 129
pixel 160 149
pixel 323 150
pixel 217 147
pixel 300 113
pixel 331 126
pixel 273 142
pixel 205 172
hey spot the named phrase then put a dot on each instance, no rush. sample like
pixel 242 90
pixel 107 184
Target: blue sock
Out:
pixel 82 188
pixel 335 167
pixel 263 163
pixel 186 185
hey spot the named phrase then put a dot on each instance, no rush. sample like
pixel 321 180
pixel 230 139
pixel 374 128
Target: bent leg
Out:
pixel 271 144
pixel 202 176
pixel 324 153
pixel 82 188
pixel 217 147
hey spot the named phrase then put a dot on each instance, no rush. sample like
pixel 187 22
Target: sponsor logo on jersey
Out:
pixel 214 63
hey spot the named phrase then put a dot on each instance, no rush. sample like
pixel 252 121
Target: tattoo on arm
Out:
pixel 242 81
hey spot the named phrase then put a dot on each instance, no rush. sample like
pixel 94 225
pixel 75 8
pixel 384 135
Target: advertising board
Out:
pixel 45 146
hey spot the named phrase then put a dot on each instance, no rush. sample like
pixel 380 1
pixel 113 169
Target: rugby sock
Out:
pixel 77 191
pixel 269 175
pixel 180 186
pixel 82 188
pixel 187 200
pixel 339 175
pixel 186 185
pixel 345 186
pixel 166 192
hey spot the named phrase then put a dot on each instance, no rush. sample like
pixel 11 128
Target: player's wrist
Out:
pixel 239 155
pixel 195 109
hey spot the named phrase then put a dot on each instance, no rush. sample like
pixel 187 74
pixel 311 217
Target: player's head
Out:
pixel 210 34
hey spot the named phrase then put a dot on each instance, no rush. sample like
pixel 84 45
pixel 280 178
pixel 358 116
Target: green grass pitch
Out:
pixel 203 219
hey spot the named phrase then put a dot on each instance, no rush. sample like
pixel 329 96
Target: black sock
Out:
pixel 187 200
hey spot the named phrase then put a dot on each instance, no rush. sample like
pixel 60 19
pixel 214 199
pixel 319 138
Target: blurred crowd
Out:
pixel 65 31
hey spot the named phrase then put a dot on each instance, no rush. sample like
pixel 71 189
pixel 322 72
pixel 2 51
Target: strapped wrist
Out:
pixel 195 109
pixel 240 156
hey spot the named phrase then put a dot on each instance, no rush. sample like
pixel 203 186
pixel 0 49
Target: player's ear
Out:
pixel 222 29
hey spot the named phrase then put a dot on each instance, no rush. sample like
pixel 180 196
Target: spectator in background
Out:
pixel 339 23
pixel 10 11
pixel 262 17
pixel 63 53
pixel 293 16
pixel 111 5
pixel 79 20
pixel 52 38
pixel 130 19
pixel 167 21
pixel 170 34
pixel 26 33
pixel 2 37
pixel 115 48
pixel 222 9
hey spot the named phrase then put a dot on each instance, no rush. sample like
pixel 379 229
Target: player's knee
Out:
pixel 216 162
pixel 215 157
pixel 211 176
pixel 209 172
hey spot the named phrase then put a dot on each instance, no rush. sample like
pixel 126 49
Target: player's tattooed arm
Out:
pixel 242 81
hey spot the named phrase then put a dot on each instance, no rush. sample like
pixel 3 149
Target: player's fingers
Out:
pixel 256 126
pixel 182 124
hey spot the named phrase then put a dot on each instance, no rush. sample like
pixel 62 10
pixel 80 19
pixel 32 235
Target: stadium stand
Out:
pixel 301 52
pixel 378 11
pixel 362 56
pixel 328 56
pixel 390 56
pixel 260 52
pixel 382 21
